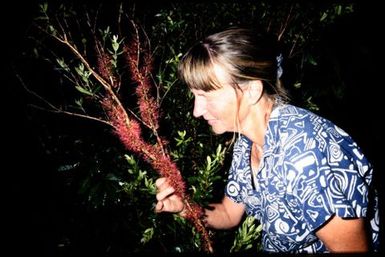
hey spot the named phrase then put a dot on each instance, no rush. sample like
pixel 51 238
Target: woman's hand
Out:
pixel 167 200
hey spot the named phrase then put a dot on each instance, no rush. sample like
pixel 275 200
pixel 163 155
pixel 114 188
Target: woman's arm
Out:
pixel 344 235
pixel 224 215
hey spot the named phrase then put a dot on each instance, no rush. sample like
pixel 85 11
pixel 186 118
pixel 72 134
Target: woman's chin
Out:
pixel 217 130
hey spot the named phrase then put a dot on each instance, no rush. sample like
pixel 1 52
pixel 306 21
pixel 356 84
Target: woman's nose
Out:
pixel 199 107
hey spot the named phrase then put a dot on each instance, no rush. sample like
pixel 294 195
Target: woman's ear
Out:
pixel 255 91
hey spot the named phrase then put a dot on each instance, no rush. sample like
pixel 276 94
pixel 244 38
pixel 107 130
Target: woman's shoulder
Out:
pixel 306 131
pixel 292 112
pixel 301 119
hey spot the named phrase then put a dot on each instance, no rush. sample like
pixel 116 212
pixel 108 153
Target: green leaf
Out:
pixel 84 91
pixel 324 16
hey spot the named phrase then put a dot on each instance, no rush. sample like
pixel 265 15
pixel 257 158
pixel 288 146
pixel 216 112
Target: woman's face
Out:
pixel 219 107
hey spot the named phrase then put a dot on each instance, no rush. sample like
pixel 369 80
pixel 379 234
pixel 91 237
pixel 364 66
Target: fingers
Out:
pixel 167 200
pixel 160 181
pixel 164 193
pixel 170 204
pixel 163 188
pixel 159 206
pixel 161 184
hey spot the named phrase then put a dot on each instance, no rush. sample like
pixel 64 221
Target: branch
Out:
pixel 128 129
pixel 55 109
pixel 286 23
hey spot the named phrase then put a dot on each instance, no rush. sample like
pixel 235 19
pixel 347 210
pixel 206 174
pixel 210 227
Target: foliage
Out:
pixel 96 171
pixel 247 235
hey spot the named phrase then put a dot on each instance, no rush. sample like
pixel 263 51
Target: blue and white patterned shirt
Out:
pixel 309 171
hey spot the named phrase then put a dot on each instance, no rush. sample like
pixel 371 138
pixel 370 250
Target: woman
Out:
pixel 304 178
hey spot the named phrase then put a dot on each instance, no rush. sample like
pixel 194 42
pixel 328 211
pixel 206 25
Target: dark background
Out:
pixel 29 190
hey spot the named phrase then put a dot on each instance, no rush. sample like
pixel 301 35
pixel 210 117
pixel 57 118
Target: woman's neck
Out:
pixel 255 123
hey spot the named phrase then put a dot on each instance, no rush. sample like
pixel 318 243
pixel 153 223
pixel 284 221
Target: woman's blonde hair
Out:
pixel 245 54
